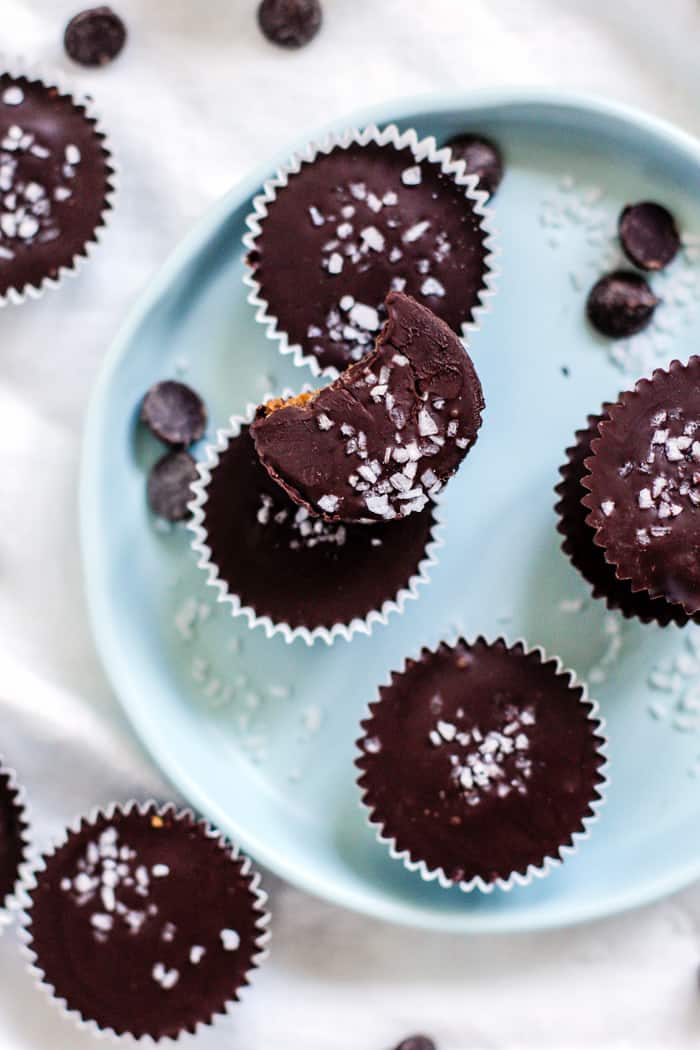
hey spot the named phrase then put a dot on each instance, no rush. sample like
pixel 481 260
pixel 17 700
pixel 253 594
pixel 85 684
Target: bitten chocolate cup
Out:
pixel 143 921
pixel 57 181
pixel 14 841
pixel 482 764
pixel 579 539
pixel 288 572
pixel 643 487
pixel 385 437
pixel 353 217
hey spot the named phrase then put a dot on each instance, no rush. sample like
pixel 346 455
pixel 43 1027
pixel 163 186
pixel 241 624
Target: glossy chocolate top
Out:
pixel 480 760
pixel 350 227
pixel 382 440
pixel 298 569
pixel 644 486
pixel 145 924
pixel 54 178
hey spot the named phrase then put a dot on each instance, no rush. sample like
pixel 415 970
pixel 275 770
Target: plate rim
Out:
pixel 396 110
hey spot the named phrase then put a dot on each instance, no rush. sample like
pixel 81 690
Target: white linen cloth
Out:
pixel 197 98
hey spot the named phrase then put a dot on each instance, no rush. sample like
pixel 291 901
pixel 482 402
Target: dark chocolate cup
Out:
pixel 32 880
pixel 20 850
pixel 84 106
pixel 656 584
pixel 390 603
pixel 585 554
pixel 425 149
pixel 409 809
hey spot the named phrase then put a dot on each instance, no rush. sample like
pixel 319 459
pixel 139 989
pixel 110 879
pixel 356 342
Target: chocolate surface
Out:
pixel 290 23
pixel 353 225
pixel 586 555
pixel 648 235
pixel 144 923
pixel 12 828
pixel 295 569
pixel 382 440
pixel 644 486
pixel 54 178
pixel 480 760
pixel 169 487
pixel 482 157
pixel 94 37
pixel 621 304
pixel 174 413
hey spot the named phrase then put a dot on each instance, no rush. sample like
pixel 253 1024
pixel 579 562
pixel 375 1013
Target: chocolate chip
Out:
pixel 174 413
pixel 169 485
pixel 482 157
pixel 94 37
pixel 649 235
pixel 620 304
pixel 416 1042
pixel 290 23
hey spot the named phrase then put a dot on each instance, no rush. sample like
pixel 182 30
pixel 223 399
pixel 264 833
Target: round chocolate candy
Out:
pixel 643 486
pixel 621 304
pixel 13 831
pixel 416 1042
pixel 170 485
pixel 55 178
pixel 648 235
pixel 290 23
pixel 174 413
pixel 144 922
pixel 579 539
pixel 479 762
pixel 354 224
pixel 482 157
pixel 94 37
pixel 382 440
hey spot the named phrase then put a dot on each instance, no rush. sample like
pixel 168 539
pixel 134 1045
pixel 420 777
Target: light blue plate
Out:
pixel 259 734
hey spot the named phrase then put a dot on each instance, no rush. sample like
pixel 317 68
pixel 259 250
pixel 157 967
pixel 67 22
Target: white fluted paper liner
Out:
pixel 533 871
pixel 11 905
pixel 30 881
pixel 425 149
pixel 197 525
pixel 20 67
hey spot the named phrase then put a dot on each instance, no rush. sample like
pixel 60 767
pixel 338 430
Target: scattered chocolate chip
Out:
pixel 620 304
pixel 482 157
pixel 290 23
pixel 416 1042
pixel 648 235
pixel 94 37
pixel 174 413
pixel 169 485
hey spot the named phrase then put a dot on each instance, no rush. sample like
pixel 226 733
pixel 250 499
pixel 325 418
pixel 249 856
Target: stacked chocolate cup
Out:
pixel 365 229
